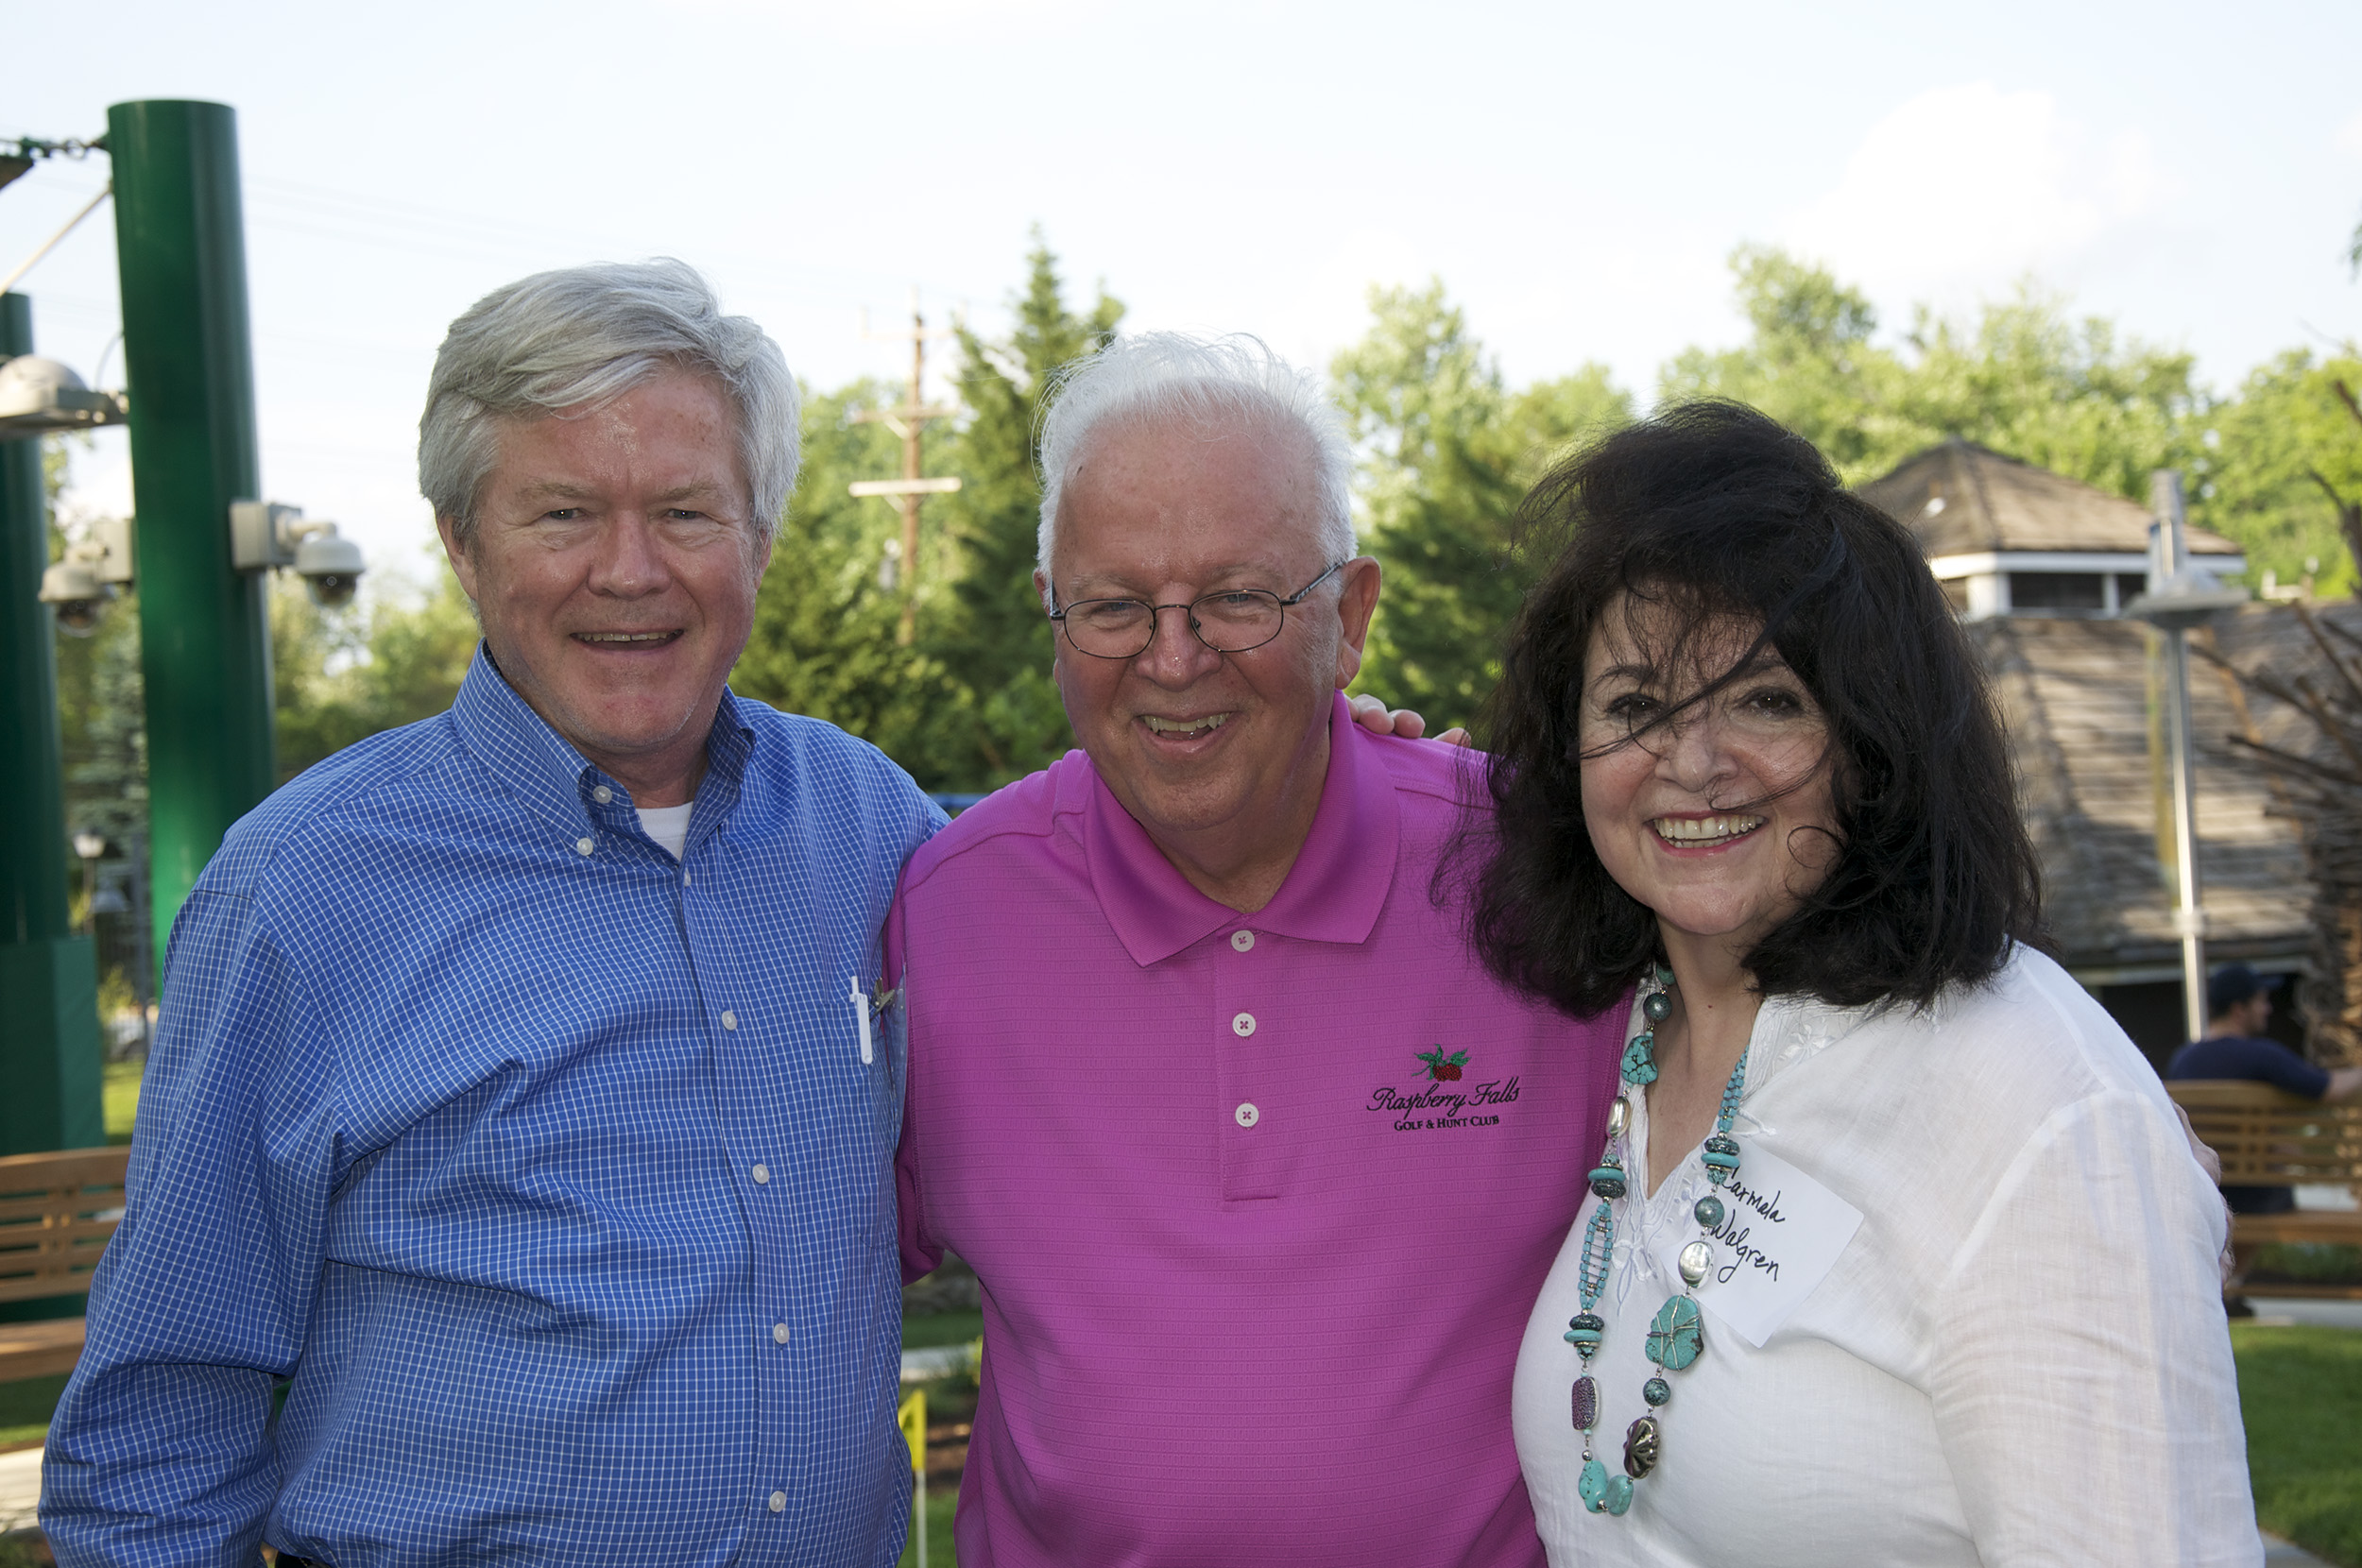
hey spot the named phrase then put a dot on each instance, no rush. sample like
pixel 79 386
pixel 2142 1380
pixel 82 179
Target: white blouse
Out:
pixel 2020 1356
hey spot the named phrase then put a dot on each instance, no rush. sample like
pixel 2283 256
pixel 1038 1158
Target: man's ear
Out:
pixel 1357 601
pixel 462 557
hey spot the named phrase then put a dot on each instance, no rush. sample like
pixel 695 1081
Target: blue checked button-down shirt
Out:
pixel 547 1168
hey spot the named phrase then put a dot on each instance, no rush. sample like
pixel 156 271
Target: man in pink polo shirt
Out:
pixel 1260 1171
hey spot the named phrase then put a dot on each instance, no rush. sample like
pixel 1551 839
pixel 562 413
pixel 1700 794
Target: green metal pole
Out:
pixel 49 1056
pixel 204 630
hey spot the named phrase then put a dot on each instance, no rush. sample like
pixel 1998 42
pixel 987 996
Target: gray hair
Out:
pixel 1154 377
pixel 589 334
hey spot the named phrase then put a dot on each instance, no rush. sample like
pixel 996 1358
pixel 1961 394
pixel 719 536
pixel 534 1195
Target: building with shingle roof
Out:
pixel 2039 566
pixel 2007 537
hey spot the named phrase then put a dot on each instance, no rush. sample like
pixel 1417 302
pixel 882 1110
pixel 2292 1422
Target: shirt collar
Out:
pixel 519 746
pixel 1333 892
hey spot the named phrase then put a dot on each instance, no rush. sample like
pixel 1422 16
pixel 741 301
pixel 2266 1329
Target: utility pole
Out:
pixel 2180 597
pixel 49 1056
pixel 908 421
pixel 204 627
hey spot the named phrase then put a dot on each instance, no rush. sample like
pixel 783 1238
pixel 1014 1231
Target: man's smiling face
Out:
pixel 1217 752
pixel 614 566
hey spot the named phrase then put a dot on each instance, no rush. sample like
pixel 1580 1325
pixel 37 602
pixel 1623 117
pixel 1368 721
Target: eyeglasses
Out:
pixel 1231 622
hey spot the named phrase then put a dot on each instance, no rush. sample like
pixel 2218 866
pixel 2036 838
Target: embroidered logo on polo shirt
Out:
pixel 1431 1106
pixel 1442 1068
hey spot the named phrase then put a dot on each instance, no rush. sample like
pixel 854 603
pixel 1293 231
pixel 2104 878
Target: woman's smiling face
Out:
pixel 1719 818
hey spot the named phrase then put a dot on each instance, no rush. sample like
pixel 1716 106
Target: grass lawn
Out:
pixel 122 1098
pixel 943 1495
pixel 2300 1390
pixel 941 1328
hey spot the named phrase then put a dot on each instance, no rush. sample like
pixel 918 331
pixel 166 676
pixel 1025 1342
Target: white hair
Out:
pixel 1156 377
pixel 589 335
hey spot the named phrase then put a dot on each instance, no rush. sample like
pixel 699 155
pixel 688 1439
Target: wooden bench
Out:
pixel 55 1213
pixel 2268 1137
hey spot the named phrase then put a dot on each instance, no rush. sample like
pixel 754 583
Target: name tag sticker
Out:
pixel 1781 1233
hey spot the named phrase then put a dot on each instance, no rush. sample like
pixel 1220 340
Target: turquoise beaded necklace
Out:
pixel 1677 1333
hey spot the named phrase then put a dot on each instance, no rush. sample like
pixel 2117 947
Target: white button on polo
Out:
pixel 1243 1025
pixel 779 1333
pixel 583 847
pixel 1242 941
pixel 1247 1115
pixel 730 1020
pixel 779 1502
pixel 684 879
pixel 761 1174
pixel 603 795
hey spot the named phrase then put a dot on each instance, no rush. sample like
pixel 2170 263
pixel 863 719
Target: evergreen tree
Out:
pixel 995 642
pixel 1447 453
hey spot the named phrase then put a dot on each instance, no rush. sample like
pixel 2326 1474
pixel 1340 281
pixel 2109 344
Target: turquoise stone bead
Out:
pixel 1656 1391
pixel 1583 1332
pixel 1640 1060
pixel 1709 1211
pixel 1658 1007
pixel 1722 1158
pixel 1592 1486
pixel 1619 1495
pixel 1676 1334
pixel 1608 1180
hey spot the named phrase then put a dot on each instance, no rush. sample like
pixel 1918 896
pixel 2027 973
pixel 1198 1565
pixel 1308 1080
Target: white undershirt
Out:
pixel 2018 1358
pixel 667 825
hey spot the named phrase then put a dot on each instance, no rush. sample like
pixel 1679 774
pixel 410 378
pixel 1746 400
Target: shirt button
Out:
pixel 684 879
pixel 761 1174
pixel 603 795
pixel 1242 941
pixel 583 847
pixel 1247 1115
pixel 779 1333
pixel 730 1020
pixel 1243 1025
pixel 779 1502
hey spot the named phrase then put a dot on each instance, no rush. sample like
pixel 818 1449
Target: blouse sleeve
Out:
pixel 2081 1376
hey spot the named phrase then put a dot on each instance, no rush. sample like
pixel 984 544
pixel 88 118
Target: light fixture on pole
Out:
pixel 93 569
pixel 39 395
pixel 264 535
pixel 2181 596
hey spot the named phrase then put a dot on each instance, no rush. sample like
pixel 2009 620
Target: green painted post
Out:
pixel 49 1056
pixel 204 630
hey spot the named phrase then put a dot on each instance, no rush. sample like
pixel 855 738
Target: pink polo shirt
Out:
pixel 1259 1202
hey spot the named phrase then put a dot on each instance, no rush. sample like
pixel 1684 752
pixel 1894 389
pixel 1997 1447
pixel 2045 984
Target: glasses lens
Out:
pixel 1111 628
pixel 1233 623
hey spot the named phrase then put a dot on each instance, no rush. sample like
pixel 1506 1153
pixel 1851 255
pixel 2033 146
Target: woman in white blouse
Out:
pixel 1895 1254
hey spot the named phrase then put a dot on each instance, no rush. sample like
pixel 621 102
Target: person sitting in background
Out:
pixel 2238 1009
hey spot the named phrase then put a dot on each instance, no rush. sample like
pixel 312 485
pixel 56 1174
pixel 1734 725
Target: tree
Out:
pixel 1447 453
pixel 827 618
pixel 2021 377
pixel 996 641
pixel 2283 454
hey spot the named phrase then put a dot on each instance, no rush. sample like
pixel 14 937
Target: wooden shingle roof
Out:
pixel 2074 694
pixel 1990 503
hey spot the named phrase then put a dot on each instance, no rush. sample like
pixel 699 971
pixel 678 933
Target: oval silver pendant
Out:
pixel 1619 1118
pixel 1640 1447
pixel 1694 1260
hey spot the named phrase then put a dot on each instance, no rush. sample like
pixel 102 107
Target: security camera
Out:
pixel 330 566
pixel 266 534
pixel 80 584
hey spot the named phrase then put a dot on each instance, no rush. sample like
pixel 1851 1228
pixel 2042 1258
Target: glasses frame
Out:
pixel 1196 629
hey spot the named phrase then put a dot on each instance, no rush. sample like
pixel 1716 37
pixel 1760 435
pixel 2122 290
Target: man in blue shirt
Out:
pixel 521 1102
pixel 2238 1009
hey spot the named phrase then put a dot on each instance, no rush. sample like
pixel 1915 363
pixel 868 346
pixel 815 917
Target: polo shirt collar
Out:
pixel 518 746
pixel 1333 892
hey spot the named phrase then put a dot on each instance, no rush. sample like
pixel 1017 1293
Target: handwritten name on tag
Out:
pixel 1781 1233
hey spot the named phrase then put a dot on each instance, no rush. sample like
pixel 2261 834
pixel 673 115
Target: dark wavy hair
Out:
pixel 1718 512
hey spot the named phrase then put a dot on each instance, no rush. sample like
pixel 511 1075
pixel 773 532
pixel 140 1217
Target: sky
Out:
pixel 1577 175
